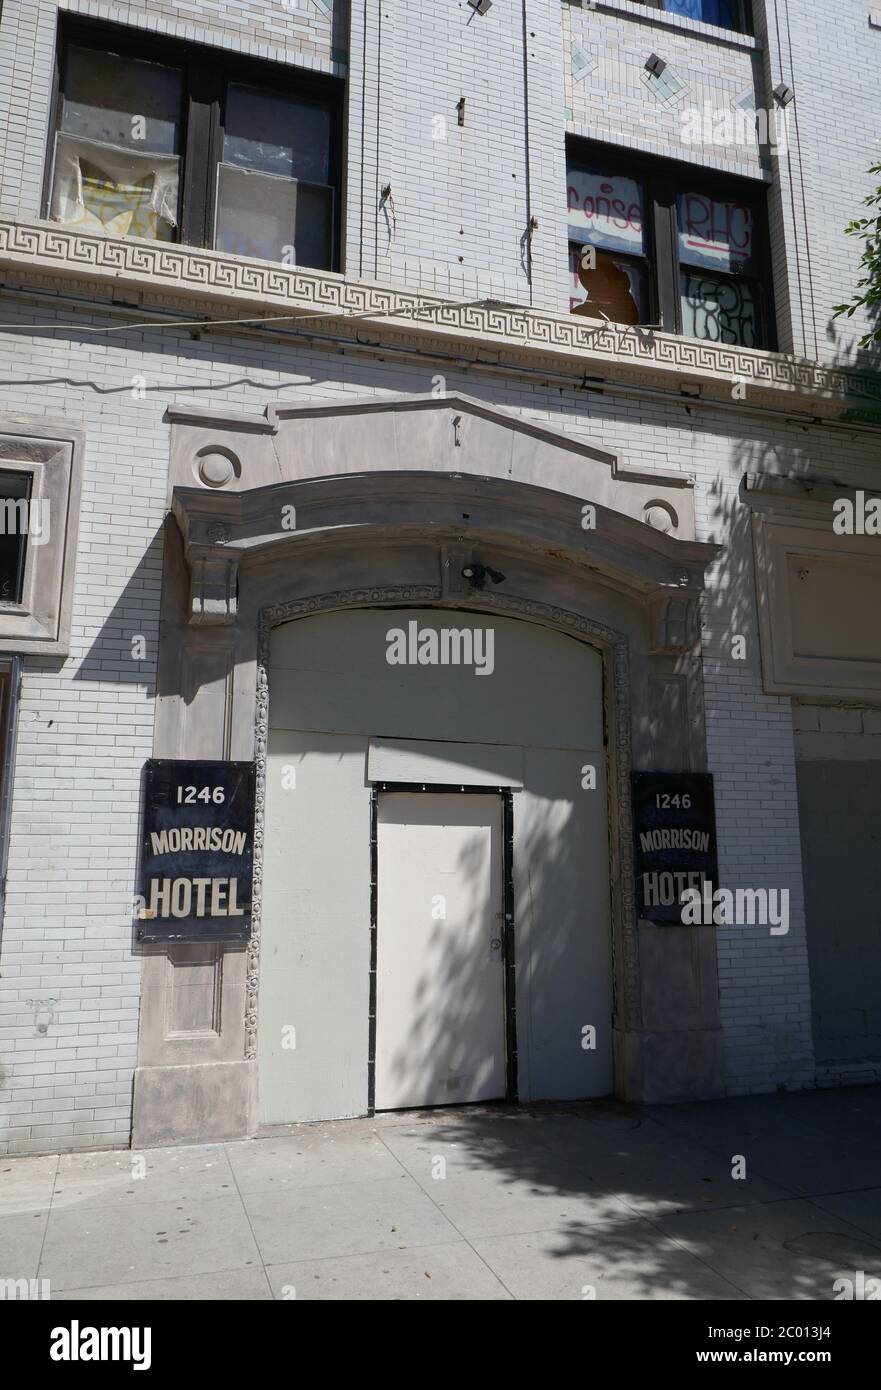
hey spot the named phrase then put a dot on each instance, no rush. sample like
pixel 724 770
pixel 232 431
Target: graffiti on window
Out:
pixel 716 234
pixel 720 311
pixel 605 211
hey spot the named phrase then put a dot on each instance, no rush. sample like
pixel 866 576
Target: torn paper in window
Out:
pixel 104 189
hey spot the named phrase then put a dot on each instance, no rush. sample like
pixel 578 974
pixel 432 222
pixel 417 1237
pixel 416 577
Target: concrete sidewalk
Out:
pixel 539 1203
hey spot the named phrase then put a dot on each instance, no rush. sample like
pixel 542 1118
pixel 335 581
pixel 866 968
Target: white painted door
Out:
pixel 440 1012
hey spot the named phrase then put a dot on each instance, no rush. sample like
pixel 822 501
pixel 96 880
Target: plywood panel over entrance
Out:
pixel 332 690
pixel 440 1002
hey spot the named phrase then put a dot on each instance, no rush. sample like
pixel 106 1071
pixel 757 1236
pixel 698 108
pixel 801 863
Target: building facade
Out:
pixel 442 409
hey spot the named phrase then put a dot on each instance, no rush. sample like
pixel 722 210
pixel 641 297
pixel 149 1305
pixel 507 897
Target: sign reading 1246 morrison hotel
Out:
pixel 674 841
pixel 197 851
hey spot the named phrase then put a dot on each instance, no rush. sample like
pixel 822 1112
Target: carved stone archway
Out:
pixel 385 538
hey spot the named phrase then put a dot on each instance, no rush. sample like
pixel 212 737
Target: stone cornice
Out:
pixel 223 530
pixel 159 277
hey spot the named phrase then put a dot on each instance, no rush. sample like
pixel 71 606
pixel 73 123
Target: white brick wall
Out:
pixel 411 63
pixel 616 45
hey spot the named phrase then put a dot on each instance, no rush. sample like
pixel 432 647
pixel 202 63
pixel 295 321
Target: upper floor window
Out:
pixel 726 14
pixel 154 140
pixel 669 246
pixel 40 480
pixel 16 521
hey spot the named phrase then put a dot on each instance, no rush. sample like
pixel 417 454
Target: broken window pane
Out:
pixel 720 309
pixel 614 289
pixel 276 134
pixel 606 210
pixel 714 233
pixel 115 191
pixel 15 489
pixel 122 101
pixel 273 219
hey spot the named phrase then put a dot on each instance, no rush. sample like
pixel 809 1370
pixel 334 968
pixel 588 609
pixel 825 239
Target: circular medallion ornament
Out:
pixel 216 470
pixel 661 516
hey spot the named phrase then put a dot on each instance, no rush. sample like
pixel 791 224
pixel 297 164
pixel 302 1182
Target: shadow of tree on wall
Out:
pixel 795 450
pixel 453 990
pixel 452 995
pixel 844 453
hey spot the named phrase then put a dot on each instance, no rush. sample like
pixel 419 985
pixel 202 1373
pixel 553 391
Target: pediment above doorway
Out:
pixel 224 453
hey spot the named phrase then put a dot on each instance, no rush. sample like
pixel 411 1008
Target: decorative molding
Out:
pixel 818 595
pixel 50 453
pixel 616 683
pixel 214 587
pixel 509 331
pixel 420 505
pixel 674 622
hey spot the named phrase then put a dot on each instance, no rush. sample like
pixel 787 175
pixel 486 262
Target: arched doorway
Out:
pixel 471 794
pixel 381 540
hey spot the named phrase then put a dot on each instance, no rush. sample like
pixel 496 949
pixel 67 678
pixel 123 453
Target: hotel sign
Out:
pixel 197 851
pixel 674 834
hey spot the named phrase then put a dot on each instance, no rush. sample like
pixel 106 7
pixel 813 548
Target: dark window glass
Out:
pixel 276 134
pixel 15 522
pixel 274 201
pixel 122 101
pixel 720 12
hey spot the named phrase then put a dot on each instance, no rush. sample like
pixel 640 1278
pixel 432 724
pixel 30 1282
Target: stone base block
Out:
pixel 654 1068
pixel 194 1104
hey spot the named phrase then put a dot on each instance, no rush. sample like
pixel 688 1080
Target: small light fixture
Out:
pixel 655 65
pixel 481 6
pixel 477 575
pixel 460 110
pixel 784 94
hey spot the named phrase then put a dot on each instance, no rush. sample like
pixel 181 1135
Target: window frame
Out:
pixel 743 12
pixel 662 181
pixel 206 72
pixel 613 165
pixel 27 477
pixel 10 694
pixel 50 453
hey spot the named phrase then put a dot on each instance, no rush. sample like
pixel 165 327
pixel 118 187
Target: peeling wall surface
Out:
pixel 701 460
